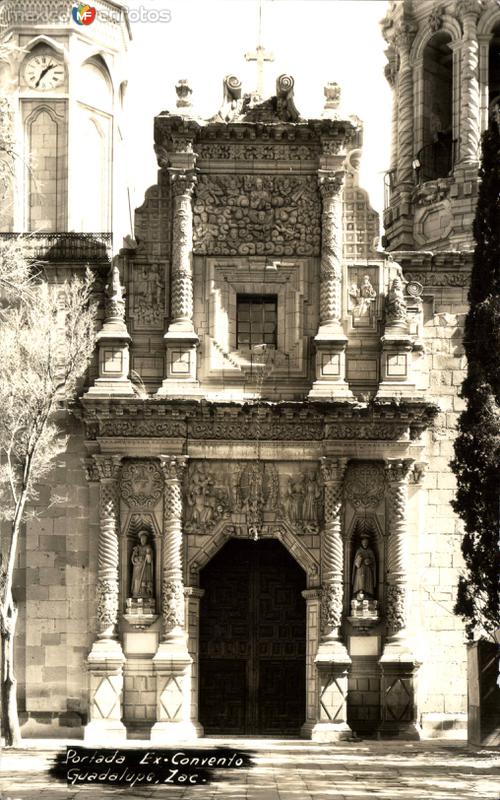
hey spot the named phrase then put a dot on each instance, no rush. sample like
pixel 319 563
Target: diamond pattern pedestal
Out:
pixel 106 691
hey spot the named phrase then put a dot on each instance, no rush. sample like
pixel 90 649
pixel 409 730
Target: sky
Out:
pixel 316 41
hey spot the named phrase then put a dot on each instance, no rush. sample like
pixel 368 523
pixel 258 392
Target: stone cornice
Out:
pixel 272 422
pixel 441 268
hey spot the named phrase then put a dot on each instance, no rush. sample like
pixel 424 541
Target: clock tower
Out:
pixel 63 84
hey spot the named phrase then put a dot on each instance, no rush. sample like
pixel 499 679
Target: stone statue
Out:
pixel 364 570
pixel 295 499
pixel 395 308
pixel 142 560
pixel 312 497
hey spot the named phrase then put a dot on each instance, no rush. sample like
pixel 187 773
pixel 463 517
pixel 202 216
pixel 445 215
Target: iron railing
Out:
pixel 61 247
pixel 436 160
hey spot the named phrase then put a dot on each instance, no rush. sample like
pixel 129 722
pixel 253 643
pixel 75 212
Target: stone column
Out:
pixel 332 660
pixel 331 340
pixel 181 340
pixel 406 123
pixel 470 125
pixel 193 597
pixel 172 660
pixel 105 661
pixel 398 664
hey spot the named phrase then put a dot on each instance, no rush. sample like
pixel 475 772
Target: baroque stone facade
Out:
pixel 267 377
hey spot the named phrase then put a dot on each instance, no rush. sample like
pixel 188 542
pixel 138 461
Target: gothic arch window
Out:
pixel 435 158
pixel 95 137
pixel 45 176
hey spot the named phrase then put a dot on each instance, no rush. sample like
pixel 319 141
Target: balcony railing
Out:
pixel 436 160
pixel 70 247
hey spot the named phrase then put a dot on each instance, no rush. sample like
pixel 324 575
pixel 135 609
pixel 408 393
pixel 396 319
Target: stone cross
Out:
pixel 260 56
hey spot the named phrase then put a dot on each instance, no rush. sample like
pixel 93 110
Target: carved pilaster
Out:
pixel 172 604
pixel 106 657
pixel 397 473
pixel 181 339
pixel 332 660
pixel 470 131
pixel 332 558
pixel 330 340
pixel 391 72
pixel 183 184
pixel 108 469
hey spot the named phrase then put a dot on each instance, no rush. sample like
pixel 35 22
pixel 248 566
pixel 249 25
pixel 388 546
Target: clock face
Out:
pixel 44 72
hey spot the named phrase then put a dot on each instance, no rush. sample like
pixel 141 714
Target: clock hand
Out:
pixel 43 74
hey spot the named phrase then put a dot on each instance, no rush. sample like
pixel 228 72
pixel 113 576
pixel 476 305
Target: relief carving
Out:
pixel 361 298
pixel 225 151
pixel 257 489
pixel 254 215
pixel 141 484
pixel 302 502
pixel 147 296
pixel 364 486
pixel 206 503
pixel 395 304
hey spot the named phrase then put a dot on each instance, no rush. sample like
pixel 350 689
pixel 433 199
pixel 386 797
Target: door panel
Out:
pixel 252 640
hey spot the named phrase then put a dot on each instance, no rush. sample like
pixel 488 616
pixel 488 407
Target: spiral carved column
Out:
pixel 470 132
pixel 172 662
pixel 181 340
pixel 332 555
pixel 403 39
pixel 332 660
pixel 106 657
pixel 172 580
pixel 398 664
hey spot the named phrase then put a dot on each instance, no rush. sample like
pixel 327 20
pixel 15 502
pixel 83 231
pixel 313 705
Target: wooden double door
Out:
pixel 252 641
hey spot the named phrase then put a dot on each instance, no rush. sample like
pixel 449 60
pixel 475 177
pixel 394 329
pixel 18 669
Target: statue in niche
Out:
pixel 362 297
pixel 142 560
pixel 312 498
pixel 364 571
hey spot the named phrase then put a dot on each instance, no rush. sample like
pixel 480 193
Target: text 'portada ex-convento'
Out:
pixel 254 532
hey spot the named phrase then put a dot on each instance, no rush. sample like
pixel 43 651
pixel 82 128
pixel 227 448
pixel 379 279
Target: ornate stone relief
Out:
pixel 432 191
pixel 206 503
pixel 440 278
pixel 302 502
pixel 224 151
pixel 147 297
pixel 141 484
pixel 364 485
pixel 395 304
pixel 257 490
pixel 253 215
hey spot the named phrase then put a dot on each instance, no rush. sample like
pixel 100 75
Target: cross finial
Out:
pixel 260 56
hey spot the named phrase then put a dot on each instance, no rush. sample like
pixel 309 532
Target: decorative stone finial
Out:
pixel 286 109
pixel 232 88
pixel 332 93
pixel 184 93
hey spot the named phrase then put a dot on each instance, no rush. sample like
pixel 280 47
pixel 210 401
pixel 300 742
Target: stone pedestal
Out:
pixel 105 664
pixel 396 366
pixel 398 689
pixel 113 345
pixel 171 664
pixel 333 663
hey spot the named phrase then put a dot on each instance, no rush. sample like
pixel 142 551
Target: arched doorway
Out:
pixel 252 641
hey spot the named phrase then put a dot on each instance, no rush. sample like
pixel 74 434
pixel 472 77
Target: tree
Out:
pixel 46 342
pixel 477 447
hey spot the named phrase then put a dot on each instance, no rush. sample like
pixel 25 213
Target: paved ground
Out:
pixel 290 770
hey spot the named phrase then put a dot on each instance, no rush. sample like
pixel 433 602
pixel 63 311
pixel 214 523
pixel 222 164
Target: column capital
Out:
pixel 418 472
pixel 469 8
pixel 332 469
pixel 330 183
pixel 173 467
pixel 404 35
pixel 397 470
pixel 103 467
pixel 182 181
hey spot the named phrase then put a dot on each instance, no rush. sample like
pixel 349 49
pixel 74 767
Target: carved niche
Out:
pixel 257 491
pixel 141 483
pixel 147 296
pixel 257 215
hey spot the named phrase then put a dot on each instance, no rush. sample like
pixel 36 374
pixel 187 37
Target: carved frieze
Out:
pixel 160 428
pixel 247 428
pixel 365 430
pixel 440 278
pixel 141 483
pixel 225 151
pixel 256 215
pixel 364 486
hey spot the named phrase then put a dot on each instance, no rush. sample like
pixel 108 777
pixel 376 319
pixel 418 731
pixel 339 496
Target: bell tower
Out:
pixel 444 68
pixel 63 84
